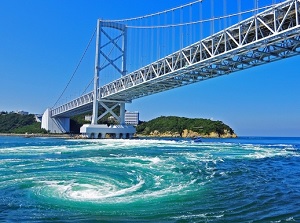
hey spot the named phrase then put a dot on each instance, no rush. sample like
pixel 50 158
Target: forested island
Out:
pixel 164 126
pixel 172 126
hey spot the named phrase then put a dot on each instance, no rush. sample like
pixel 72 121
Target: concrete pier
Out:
pixel 105 131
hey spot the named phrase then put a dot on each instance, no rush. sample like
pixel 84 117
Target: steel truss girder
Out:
pixel 77 106
pixel 252 42
pixel 268 36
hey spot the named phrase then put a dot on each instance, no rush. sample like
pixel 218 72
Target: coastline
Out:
pixel 136 136
pixel 32 135
pixel 188 134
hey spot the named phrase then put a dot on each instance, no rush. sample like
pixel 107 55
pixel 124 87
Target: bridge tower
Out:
pixel 95 130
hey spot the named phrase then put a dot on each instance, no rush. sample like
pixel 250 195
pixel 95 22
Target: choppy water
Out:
pixel 233 180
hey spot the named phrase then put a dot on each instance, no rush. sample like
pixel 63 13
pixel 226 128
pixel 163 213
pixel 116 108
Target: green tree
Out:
pixel 16 123
pixel 178 124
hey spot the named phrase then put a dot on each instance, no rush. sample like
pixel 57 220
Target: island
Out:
pixel 172 126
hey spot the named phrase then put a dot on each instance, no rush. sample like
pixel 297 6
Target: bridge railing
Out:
pixel 82 101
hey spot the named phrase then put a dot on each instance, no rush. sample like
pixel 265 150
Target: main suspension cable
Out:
pixel 199 21
pixel 154 14
pixel 88 45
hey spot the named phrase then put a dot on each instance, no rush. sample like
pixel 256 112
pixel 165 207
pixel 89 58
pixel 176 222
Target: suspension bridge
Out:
pixel 233 43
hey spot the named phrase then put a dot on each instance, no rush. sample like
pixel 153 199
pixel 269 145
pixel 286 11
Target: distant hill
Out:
pixel 172 126
pixel 16 123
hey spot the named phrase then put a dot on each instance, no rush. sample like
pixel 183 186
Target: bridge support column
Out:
pixel 55 125
pixel 122 113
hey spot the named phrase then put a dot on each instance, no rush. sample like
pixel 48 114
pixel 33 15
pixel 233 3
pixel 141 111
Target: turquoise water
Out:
pixel 217 180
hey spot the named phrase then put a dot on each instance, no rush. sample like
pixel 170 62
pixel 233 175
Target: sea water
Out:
pixel 248 179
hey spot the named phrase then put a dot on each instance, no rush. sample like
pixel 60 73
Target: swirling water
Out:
pixel 149 180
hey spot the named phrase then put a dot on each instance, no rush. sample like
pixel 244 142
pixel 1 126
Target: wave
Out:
pixel 188 181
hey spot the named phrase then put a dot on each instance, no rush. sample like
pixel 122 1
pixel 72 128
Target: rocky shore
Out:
pixel 185 134
pixel 189 134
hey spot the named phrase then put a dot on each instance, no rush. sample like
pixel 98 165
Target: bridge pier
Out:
pixel 99 131
pixel 55 125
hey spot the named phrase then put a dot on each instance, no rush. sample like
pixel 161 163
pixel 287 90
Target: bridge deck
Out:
pixel 268 36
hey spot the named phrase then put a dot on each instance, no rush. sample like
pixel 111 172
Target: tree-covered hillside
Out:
pixel 179 124
pixel 16 123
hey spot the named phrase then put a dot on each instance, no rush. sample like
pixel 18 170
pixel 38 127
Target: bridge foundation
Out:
pixel 98 131
pixel 55 125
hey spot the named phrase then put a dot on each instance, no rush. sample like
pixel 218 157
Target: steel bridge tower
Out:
pixel 94 130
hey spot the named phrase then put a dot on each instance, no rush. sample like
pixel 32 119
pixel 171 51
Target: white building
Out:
pixel 88 118
pixel 20 112
pixel 38 117
pixel 132 118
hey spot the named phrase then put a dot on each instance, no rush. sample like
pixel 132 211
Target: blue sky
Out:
pixel 41 43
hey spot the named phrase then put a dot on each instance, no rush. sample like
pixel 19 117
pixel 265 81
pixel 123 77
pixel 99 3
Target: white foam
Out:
pixel 197 216
pixel 155 160
pixel 86 192
pixel 261 152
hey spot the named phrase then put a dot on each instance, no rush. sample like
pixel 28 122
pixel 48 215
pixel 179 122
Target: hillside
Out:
pixel 172 126
pixel 16 123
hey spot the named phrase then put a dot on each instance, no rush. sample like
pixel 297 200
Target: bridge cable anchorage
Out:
pixel 83 55
pixel 200 21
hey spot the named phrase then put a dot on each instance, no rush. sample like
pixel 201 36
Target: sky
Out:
pixel 41 43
